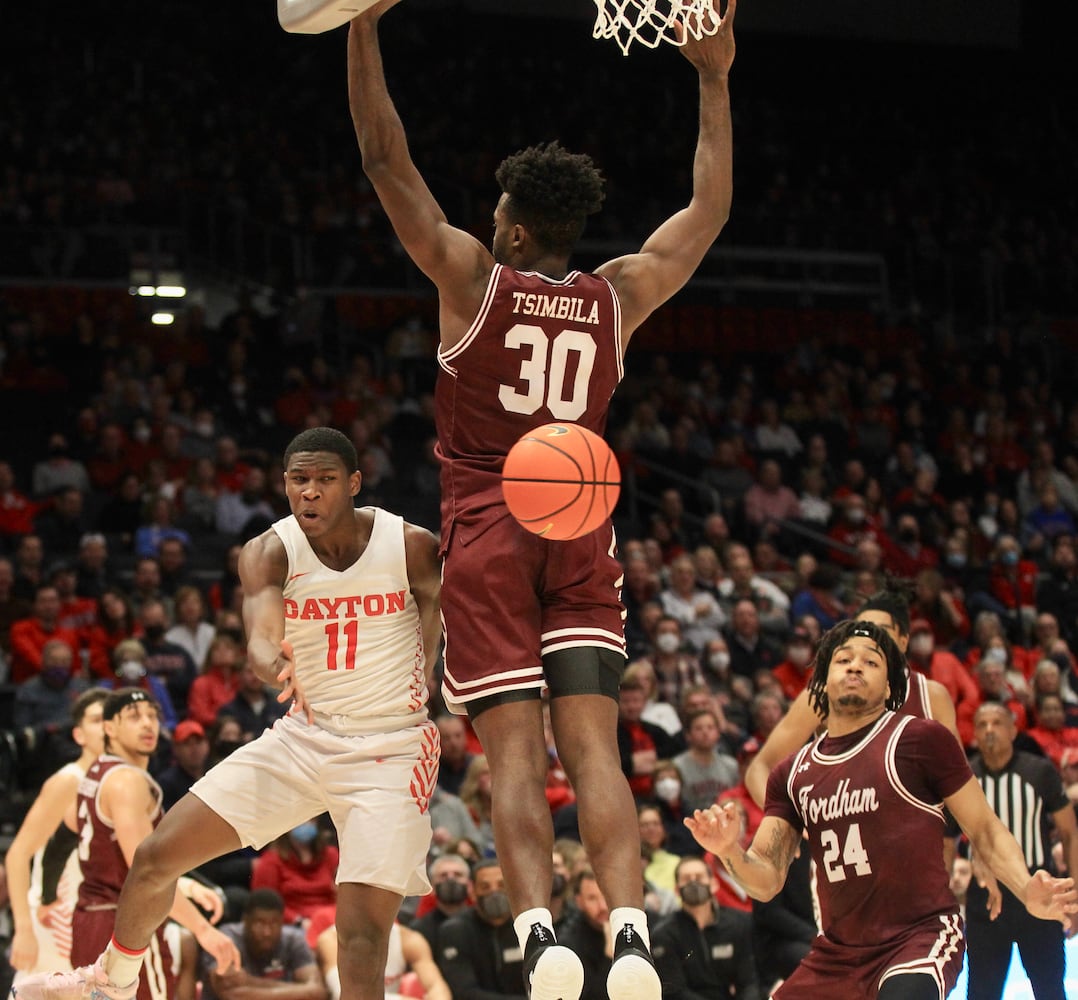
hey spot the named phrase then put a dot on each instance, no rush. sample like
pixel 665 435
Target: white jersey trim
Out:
pixel 444 357
pixel 892 773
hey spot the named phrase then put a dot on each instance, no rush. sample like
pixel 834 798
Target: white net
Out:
pixel 651 22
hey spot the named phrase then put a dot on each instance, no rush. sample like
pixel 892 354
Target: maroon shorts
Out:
pixel 935 948
pixel 91 931
pixel 510 597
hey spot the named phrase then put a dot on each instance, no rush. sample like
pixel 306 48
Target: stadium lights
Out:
pixel 162 319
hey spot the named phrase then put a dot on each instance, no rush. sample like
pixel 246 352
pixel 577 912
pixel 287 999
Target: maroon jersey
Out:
pixel 917 702
pixel 103 865
pixel 872 805
pixel 539 350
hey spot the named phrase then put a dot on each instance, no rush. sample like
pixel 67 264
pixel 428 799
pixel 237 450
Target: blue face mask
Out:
pixel 1009 558
pixel 305 833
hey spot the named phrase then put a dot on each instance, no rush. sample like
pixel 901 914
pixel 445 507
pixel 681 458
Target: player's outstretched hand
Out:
pixel 290 686
pixel 1052 898
pixel 220 947
pixel 716 828
pixel 715 51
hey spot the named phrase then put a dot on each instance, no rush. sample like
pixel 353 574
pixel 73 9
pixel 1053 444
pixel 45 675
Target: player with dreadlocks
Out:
pixel 869 794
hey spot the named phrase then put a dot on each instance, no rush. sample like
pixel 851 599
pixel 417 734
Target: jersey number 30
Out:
pixel 853 853
pixel 544 371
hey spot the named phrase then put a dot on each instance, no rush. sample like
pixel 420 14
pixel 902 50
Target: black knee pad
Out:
pixel 584 670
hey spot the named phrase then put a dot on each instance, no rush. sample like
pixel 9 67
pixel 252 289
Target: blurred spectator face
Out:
pixel 770 476
pixel 718 655
pixel 31 552
pixel 853 509
pixel 1007 551
pixel 1050 713
pixel 93 552
pixel 652 831
pixel 716 530
pixel 454 738
pixel 993 679
pixel 262 931
pixel 631 703
pixel 191 753
pixel 650 616
pixel 707 564
pixel 746 619
pixel 1047 630
pixel 1047 678
pixel 739 566
pixel 147 576
pixel 767 712
pixel 47 606
pixel 703 732
pixel 811 625
pixel 172 556
pixel 7 478
pixel 672 505
pixel 7 576
pixel 667 637
pixel 1064 555
pixel 961 873
pixel 683 576
pixel 223 654
pixel 57 659
pixel 250 682
pixel 591 903
pixel 922 643
pixel 869 555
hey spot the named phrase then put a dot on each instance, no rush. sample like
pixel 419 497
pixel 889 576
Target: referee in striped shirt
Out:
pixel 1026 792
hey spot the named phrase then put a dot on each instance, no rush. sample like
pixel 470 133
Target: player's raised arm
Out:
pixel 453 259
pixel 672 253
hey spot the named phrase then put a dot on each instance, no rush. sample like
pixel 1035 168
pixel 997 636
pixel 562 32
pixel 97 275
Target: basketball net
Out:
pixel 651 22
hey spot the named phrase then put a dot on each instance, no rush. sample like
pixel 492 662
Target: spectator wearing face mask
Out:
pixel 940 665
pixel 794 671
pixel 704 949
pixel 46 699
pixel 1012 583
pixel 666 797
pixel 302 866
pixel 451 893
pixel 130 663
pixel 477 951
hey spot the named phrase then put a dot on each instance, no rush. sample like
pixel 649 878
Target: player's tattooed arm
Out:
pixel 761 869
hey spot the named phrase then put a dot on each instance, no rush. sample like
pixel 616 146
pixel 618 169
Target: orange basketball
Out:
pixel 561 481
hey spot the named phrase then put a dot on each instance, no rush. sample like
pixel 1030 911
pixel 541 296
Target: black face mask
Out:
pixel 154 632
pixel 493 906
pixel 558 884
pixel 451 892
pixel 694 893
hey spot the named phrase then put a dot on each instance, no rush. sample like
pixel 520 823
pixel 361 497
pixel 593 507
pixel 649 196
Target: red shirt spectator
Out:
pixel 853 525
pixel 302 868
pixel 1012 580
pixel 939 665
pixel 17 510
pixel 1051 734
pixel 215 688
pixel 793 673
pixel 29 635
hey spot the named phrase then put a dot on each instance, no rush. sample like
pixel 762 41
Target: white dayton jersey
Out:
pixel 356 634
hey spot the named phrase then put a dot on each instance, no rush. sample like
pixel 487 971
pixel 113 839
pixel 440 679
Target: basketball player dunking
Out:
pixel 870 795
pixel 341 607
pixel 525 340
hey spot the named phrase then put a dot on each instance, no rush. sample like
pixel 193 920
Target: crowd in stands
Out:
pixel 762 503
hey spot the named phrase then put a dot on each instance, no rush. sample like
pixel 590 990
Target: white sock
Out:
pixel 623 916
pixel 523 924
pixel 333 983
pixel 122 964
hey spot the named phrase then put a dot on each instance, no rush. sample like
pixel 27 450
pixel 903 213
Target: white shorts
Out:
pixel 376 788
